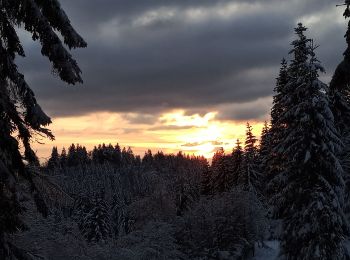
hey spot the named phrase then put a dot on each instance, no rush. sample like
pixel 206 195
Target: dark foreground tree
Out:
pixel 340 104
pixel 21 116
pixel 310 203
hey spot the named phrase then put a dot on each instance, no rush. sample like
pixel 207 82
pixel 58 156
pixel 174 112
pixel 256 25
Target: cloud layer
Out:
pixel 148 57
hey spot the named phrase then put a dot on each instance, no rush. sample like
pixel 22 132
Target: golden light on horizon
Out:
pixel 172 132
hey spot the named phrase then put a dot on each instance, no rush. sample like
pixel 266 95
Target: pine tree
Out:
pixel 96 223
pixel 63 158
pixel 206 180
pixel 264 147
pixel 117 155
pixel 21 115
pixel 274 161
pixel 310 201
pixel 54 161
pixel 340 104
pixel 72 157
pixel 222 170
pixel 237 161
pixel 147 160
pixel 249 177
pixel 340 85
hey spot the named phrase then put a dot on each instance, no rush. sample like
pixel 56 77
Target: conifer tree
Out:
pixel 222 171
pixel 96 223
pixel 21 115
pixel 274 161
pixel 265 146
pixel 117 155
pixel 237 161
pixel 206 180
pixel 72 157
pixel 249 176
pixel 340 85
pixel 54 161
pixel 264 154
pixel 147 160
pixel 63 158
pixel 339 89
pixel 310 201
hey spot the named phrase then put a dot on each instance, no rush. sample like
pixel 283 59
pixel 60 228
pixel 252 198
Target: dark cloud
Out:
pixel 151 56
pixel 142 119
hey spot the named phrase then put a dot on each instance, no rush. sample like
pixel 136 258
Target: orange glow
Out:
pixel 174 131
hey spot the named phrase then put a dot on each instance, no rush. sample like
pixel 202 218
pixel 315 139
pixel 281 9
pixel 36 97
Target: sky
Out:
pixel 175 75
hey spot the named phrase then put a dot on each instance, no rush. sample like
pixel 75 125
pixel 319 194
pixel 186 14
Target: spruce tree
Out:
pixel 63 158
pixel 222 171
pixel 310 201
pixel 117 155
pixel 96 223
pixel 237 161
pixel 72 157
pixel 340 104
pixel 249 177
pixel 21 115
pixel 340 85
pixel 264 147
pixel 147 160
pixel 54 161
pixel 206 180
pixel 274 161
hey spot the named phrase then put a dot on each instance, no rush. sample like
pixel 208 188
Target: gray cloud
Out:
pixel 170 59
pixel 144 119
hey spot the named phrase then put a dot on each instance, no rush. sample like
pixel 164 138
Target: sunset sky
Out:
pixel 175 75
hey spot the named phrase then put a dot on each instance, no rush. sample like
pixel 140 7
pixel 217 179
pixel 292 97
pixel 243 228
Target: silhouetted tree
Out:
pixel 222 170
pixel 63 158
pixel 206 180
pixel 54 160
pixel 21 115
pixel 264 153
pixel 237 160
pixel 339 89
pixel 249 177
pixel 147 160
pixel 274 160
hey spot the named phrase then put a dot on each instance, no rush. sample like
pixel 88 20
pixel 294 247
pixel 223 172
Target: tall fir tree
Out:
pixel 54 160
pixel 237 161
pixel 206 180
pixel 21 115
pixel 249 177
pixel 310 202
pixel 63 158
pixel 95 224
pixel 222 171
pixel 117 155
pixel 340 85
pixel 264 147
pixel 274 161
pixel 147 160
pixel 339 89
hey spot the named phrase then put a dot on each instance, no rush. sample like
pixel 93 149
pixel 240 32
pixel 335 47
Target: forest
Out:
pixel 284 195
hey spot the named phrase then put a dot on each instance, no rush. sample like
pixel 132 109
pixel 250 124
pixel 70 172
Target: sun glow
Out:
pixel 171 132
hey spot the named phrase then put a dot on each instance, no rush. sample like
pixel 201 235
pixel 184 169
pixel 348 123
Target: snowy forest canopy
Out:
pixel 286 195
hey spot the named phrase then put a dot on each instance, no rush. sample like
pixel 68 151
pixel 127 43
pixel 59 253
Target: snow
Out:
pixel 268 252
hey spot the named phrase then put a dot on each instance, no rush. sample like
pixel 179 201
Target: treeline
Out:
pixel 78 155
